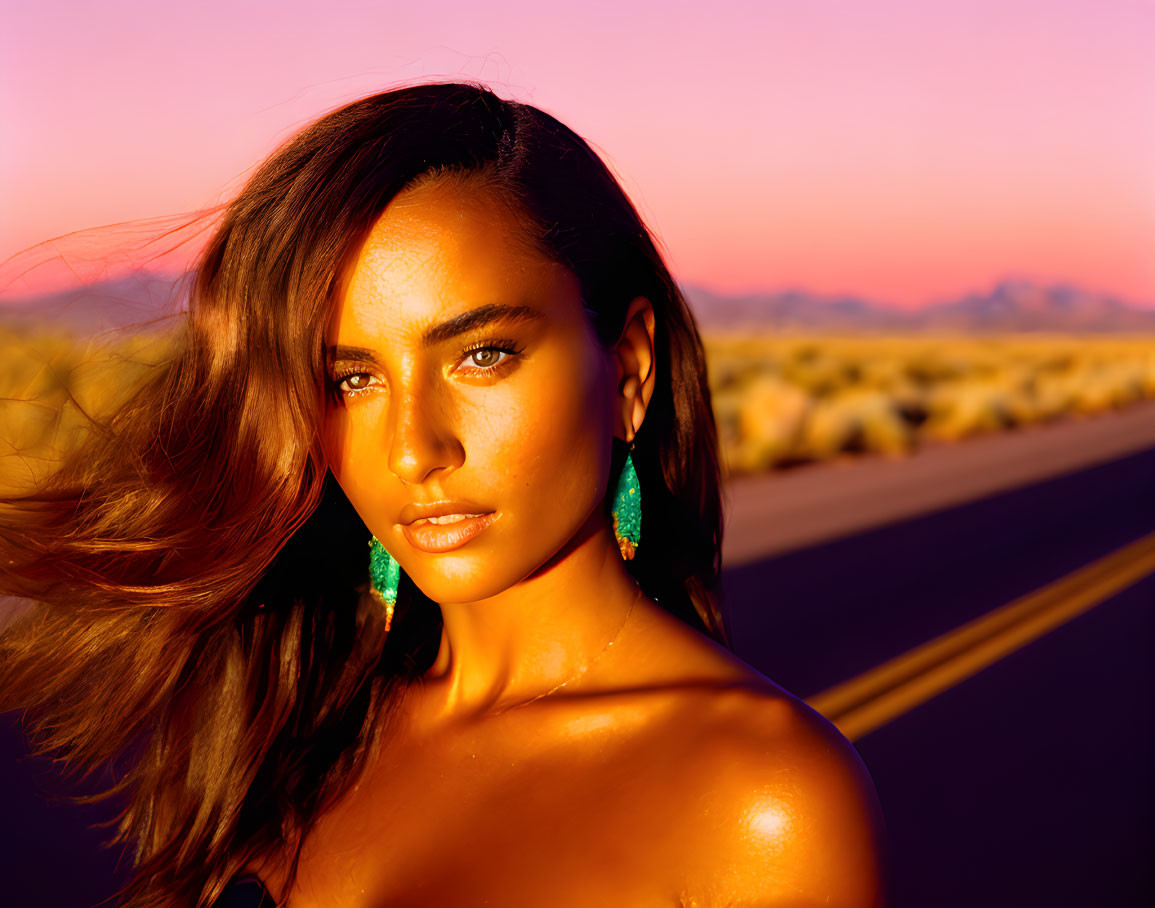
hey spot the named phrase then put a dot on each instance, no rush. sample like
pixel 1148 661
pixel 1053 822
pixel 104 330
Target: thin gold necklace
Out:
pixel 585 668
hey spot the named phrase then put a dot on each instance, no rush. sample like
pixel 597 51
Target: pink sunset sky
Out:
pixel 907 152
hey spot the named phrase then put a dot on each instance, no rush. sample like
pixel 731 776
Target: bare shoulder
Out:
pixel 781 811
pixel 775 806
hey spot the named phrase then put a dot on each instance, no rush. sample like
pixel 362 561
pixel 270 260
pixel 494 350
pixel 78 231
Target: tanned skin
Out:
pixel 667 772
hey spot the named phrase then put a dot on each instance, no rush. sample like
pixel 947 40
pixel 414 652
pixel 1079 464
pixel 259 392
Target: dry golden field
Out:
pixel 54 388
pixel 778 400
pixel 782 400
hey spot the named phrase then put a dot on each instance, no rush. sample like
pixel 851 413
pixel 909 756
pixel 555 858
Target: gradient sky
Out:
pixel 903 151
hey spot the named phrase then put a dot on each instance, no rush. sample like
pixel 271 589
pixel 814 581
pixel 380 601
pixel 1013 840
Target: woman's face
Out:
pixel 467 372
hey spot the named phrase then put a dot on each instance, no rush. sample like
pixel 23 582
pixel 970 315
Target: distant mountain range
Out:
pixel 1010 307
pixel 134 299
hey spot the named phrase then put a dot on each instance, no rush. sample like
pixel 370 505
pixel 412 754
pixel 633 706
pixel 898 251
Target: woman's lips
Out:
pixel 434 538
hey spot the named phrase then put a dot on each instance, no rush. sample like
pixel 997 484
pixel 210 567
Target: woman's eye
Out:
pixel 490 358
pixel 487 357
pixel 357 381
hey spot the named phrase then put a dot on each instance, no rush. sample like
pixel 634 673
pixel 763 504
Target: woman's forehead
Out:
pixel 441 228
pixel 441 248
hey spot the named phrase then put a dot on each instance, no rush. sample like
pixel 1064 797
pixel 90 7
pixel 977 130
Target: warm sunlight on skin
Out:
pixel 463 417
pixel 469 373
pixel 792 820
pixel 769 823
pixel 669 773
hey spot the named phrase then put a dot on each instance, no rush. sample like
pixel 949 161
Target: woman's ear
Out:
pixel 635 358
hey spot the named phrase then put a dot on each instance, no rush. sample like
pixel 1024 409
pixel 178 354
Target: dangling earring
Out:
pixel 384 577
pixel 627 511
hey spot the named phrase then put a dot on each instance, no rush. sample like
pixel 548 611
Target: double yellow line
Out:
pixel 862 704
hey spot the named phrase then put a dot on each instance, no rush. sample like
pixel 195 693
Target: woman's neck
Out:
pixel 542 633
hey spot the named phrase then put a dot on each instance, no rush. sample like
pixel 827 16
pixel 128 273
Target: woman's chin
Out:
pixel 472 584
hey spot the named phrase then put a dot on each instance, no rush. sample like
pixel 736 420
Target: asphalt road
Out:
pixel 1032 783
pixel 1029 784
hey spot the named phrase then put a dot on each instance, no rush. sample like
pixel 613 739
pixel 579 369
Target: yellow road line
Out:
pixel 862 704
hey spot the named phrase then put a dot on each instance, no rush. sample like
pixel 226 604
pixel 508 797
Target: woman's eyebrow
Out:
pixel 459 324
pixel 478 318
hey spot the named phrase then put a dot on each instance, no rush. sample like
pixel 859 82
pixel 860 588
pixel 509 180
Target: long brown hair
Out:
pixel 201 579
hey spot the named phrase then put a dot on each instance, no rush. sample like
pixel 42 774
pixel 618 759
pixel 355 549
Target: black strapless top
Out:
pixel 245 892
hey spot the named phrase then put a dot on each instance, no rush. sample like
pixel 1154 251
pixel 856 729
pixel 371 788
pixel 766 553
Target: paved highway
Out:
pixel 1029 781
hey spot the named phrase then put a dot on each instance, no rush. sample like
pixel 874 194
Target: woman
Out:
pixel 398 587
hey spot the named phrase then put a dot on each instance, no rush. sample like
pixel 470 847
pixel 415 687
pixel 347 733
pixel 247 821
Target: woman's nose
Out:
pixel 423 437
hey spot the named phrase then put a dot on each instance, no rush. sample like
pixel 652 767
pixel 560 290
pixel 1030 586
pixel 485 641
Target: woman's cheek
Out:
pixel 566 435
pixel 363 459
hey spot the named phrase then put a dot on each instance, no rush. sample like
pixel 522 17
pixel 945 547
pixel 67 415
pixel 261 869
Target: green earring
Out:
pixel 627 511
pixel 384 578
